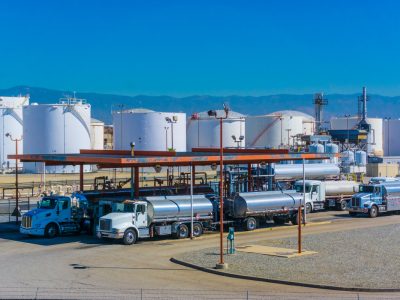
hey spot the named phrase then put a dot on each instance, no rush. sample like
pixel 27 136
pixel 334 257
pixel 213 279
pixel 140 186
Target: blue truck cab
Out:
pixel 374 199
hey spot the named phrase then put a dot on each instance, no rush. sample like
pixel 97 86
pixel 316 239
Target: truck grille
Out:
pixel 105 224
pixel 26 222
pixel 355 202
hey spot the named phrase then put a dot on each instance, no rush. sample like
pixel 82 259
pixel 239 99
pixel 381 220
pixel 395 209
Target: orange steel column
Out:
pixel 81 177
pixel 221 196
pixel 136 182
pixel 249 177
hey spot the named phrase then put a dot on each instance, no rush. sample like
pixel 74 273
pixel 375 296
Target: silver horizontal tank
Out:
pixel 244 204
pixel 178 207
pixel 341 187
pixel 312 171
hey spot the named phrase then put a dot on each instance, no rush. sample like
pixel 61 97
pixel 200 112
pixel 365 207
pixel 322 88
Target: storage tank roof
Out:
pixel 220 113
pixel 293 113
pixel 135 110
pixel 95 121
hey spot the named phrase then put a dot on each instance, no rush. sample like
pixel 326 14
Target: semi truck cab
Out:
pixel 55 215
pixel 133 218
pixel 314 194
pixel 370 200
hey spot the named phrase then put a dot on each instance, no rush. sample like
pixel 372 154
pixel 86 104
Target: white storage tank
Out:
pixel 347 158
pixel 11 122
pixel 316 148
pixel 149 130
pixel 361 158
pixel 56 129
pixel 277 130
pixel 391 143
pixel 96 134
pixel 203 130
pixel 375 137
pixel 332 149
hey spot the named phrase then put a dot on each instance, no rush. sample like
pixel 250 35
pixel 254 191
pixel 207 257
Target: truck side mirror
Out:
pixel 37 204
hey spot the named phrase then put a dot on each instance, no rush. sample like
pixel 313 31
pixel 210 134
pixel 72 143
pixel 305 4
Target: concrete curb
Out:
pixel 277 281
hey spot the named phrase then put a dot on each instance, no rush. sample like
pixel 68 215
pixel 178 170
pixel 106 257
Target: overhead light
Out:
pixel 213 167
pixel 212 113
pixel 157 168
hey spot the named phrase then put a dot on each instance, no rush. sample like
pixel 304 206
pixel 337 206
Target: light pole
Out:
pixel 238 141
pixel 288 137
pixel 166 137
pixel 213 113
pixel 347 126
pixel 280 118
pixel 172 121
pixel 120 106
pixel 16 173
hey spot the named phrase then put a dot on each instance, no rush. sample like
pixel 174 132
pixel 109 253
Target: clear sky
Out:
pixel 211 47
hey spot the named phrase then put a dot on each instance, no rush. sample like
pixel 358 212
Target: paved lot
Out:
pixel 83 267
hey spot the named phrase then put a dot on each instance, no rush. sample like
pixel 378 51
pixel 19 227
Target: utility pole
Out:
pixel 16 175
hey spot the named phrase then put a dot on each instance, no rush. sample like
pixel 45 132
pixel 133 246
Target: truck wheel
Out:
pixel 250 224
pixel 182 232
pixel 197 230
pixel 130 237
pixel 309 208
pixel 51 231
pixel 343 205
pixel 294 220
pixel 373 212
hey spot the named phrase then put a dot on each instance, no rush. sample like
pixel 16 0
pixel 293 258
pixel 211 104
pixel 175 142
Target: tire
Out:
pixel 130 237
pixel 182 232
pixel 279 220
pixel 343 205
pixel 51 231
pixel 250 224
pixel 294 220
pixel 373 212
pixel 197 230
pixel 352 213
pixel 309 208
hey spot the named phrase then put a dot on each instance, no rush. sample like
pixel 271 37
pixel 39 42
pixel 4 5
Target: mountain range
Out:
pixel 103 104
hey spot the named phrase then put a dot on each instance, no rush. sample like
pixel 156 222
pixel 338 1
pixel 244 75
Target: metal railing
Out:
pixel 7 207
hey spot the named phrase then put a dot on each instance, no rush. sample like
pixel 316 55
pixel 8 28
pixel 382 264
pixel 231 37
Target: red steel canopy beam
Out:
pixel 127 152
pixel 239 150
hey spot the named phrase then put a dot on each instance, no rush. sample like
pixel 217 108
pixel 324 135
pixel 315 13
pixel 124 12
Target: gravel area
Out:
pixel 367 258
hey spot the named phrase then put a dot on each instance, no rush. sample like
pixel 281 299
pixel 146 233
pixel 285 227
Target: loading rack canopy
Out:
pixel 198 157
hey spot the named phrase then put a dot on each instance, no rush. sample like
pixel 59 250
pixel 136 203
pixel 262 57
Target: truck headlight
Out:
pixel 365 205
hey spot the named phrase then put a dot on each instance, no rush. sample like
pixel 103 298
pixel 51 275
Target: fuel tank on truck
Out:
pixel 173 207
pixel 341 187
pixel 244 204
pixel 312 171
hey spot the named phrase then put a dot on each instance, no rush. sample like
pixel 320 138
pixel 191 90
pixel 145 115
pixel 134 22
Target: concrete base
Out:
pixel 223 266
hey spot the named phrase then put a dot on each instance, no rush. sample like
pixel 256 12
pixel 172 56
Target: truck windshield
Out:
pixel 128 207
pixel 367 189
pixel 299 188
pixel 48 203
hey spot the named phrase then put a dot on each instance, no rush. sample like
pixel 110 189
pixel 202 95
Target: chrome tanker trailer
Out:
pixel 253 208
pixel 157 216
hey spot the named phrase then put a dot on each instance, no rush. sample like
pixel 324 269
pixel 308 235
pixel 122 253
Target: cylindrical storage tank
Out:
pixel 391 144
pixel 361 158
pixel 11 122
pixel 56 129
pixel 203 130
pixel 347 158
pixel 375 136
pixel 316 148
pixel 258 202
pixel 96 134
pixel 312 171
pixel 341 187
pixel 178 207
pixel 149 130
pixel 332 148
pixel 276 130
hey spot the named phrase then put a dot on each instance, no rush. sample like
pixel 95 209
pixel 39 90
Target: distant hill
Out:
pixel 102 104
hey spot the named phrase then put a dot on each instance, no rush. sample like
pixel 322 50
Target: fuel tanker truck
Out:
pixel 327 194
pixel 172 215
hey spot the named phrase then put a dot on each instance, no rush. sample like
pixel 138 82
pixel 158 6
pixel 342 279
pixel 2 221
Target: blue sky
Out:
pixel 214 47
